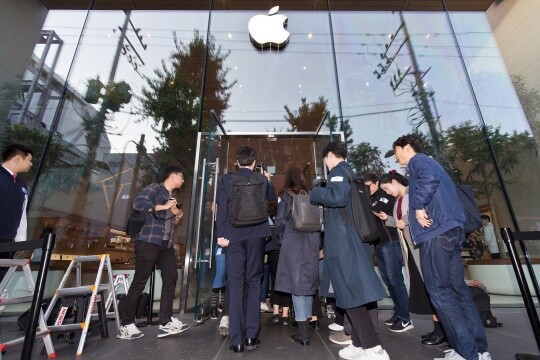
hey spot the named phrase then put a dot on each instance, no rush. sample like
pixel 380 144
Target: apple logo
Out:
pixel 269 30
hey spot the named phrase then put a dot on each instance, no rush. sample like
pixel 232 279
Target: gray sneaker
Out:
pixel 129 332
pixel 174 326
pixel 340 338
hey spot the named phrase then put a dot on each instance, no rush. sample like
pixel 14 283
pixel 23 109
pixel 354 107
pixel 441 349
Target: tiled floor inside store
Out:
pixel 204 342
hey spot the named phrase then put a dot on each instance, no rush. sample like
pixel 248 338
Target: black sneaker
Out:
pixel 391 321
pixel 401 326
pixel 275 319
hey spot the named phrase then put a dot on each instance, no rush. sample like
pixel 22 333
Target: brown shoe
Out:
pixel 340 338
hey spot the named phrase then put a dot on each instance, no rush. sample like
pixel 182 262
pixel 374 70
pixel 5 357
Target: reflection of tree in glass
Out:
pixel 366 159
pixel 171 98
pixel 530 102
pixel 472 163
pixel 308 116
pixel 9 93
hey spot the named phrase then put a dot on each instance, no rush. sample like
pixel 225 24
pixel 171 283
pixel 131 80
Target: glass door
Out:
pixel 212 147
pixel 326 132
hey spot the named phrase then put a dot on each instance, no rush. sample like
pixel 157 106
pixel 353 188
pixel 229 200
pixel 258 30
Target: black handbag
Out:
pixel 137 219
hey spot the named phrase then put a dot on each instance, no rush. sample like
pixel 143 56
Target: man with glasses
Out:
pixel 154 246
pixel 389 256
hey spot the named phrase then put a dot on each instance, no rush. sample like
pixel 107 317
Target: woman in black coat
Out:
pixel 298 265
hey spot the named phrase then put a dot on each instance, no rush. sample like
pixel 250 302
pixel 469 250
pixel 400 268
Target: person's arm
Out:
pixel 281 216
pixel 221 209
pixel 336 192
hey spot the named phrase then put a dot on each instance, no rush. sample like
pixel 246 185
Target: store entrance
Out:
pixel 216 154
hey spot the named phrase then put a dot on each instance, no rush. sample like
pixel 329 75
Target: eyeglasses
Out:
pixel 180 174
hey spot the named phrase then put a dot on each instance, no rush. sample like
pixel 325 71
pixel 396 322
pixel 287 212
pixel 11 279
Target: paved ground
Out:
pixel 204 342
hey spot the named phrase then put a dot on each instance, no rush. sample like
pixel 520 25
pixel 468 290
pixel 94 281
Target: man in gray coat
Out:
pixel 347 264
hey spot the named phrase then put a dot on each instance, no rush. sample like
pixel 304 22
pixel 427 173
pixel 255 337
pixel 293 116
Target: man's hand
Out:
pixel 223 242
pixel 381 215
pixel 400 224
pixel 423 218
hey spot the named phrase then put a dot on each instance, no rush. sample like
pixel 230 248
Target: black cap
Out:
pixel 389 153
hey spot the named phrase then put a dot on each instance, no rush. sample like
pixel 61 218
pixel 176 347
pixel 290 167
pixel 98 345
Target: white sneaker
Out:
pixel 350 352
pixel 224 326
pixel 335 327
pixel 374 353
pixel 451 355
pixel 174 326
pixel 484 356
pixel 264 307
pixel 129 332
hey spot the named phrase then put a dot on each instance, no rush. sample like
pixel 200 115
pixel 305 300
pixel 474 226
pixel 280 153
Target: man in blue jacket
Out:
pixel 244 254
pixel 437 219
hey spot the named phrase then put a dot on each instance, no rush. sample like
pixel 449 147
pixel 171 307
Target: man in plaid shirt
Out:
pixel 154 246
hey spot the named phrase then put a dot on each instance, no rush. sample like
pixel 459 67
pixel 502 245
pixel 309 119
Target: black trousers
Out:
pixel 244 275
pixel 147 256
pixel 363 333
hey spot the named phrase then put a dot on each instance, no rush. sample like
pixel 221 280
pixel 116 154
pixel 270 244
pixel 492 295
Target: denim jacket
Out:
pixel 431 188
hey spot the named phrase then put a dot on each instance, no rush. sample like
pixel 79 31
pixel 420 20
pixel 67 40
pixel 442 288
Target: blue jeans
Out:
pixel 442 268
pixel 303 306
pixel 390 261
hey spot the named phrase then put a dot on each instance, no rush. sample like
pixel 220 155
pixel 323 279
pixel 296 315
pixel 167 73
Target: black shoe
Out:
pixel 315 325
pixel 428 335
pixel 251 344
pixel 237 348
pixel 214 313
pixel 435 339
pixel 296 339
pixel 275 319
pixel 285 321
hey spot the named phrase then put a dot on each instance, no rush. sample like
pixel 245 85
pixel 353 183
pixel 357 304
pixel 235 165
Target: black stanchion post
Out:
pixel 508 239
pixel 30 335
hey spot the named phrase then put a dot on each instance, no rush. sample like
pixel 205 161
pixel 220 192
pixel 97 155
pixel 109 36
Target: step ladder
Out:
pixel 80 290
pixel 6 298
pixel 120 281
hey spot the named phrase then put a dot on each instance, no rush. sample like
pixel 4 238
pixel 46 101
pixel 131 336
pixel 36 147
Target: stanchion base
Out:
pixel 527 356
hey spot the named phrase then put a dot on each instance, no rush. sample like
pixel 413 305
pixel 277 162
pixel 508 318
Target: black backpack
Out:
pixel 473 220
pixel 362 215
pixel 246 203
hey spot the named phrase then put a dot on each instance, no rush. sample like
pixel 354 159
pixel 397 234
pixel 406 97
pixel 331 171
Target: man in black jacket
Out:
pixel 244 254
pixel 389 256
pixel 16 159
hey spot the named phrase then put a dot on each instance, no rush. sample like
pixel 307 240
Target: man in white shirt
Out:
pixel 489 237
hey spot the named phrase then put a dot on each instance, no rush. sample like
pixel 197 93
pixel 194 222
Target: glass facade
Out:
pixel 107 98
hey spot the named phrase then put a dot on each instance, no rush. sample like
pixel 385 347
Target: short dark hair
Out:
pixel 171 169
pixel 485 217
pixel 246 155
pixel 338 148
pixel 414 140
pixel 388 177
pixel 370 177
pixel 12 150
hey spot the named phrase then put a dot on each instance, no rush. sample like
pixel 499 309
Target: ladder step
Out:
pixel 14 262
pixel 80 290
pixel 74 291
pixel 88 258
pixel 67 327
pixel 16 300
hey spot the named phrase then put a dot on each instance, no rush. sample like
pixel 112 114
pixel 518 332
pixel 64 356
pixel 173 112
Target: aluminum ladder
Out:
pixel 120 280
pixel 6 299
pixel 80 290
